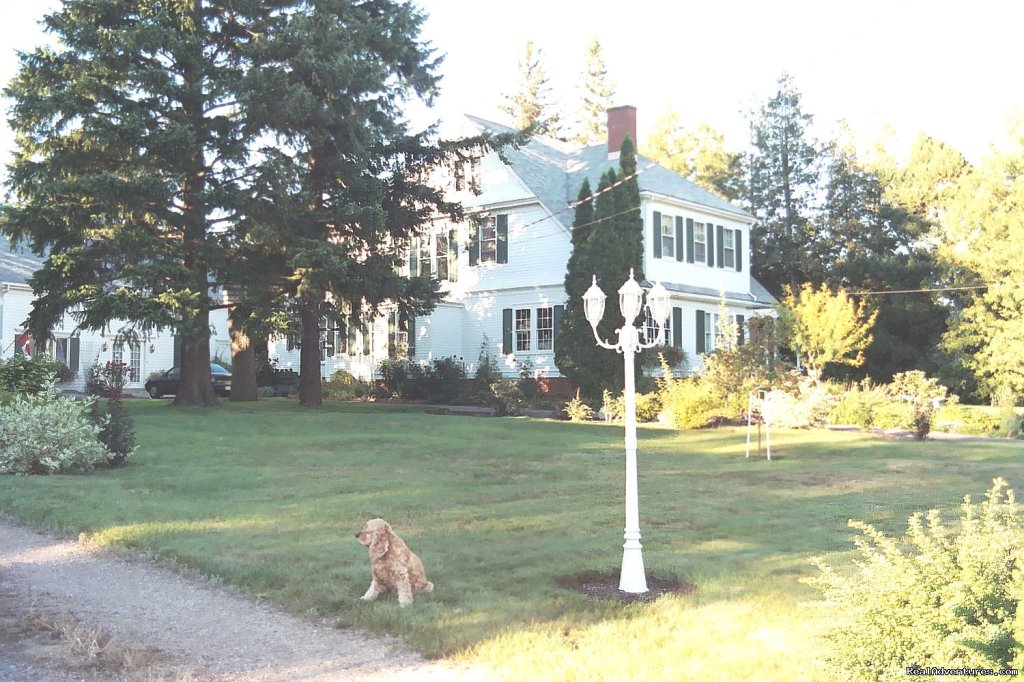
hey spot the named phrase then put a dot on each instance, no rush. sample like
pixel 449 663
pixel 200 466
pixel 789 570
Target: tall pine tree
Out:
pixel 532 106
pixel 596 94
pixel 130 152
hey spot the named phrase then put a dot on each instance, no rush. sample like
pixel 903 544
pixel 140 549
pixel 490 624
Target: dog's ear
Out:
pixel 381 542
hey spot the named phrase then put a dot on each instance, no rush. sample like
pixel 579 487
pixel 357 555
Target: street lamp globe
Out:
pixel 659 302
pixel 593 304
pixel 631 297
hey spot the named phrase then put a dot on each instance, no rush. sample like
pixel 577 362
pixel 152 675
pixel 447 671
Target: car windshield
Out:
pixel 217 369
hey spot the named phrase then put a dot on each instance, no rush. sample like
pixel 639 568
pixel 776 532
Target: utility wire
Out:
pixel 917 291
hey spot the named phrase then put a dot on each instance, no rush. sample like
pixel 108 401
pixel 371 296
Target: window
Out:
pixel 441 252
pixel 709 332
pixel 651 329
pixel 668 237
pixel 134 361
pixel 545 328
pixel 59 351
pixel 424 256
pixel 700 243
pixel 489 241
pixel 729 248
pixel 523 329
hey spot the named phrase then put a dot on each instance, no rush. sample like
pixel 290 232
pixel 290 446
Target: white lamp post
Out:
pixel 632 579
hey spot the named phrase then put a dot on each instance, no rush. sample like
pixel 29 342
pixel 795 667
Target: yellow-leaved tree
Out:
pixel 823 327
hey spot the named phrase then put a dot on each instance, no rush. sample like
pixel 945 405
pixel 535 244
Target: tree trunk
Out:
pixel 310 391
pixel 243 358
pixel 196 387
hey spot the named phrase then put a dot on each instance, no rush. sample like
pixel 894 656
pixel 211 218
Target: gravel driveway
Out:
pixel 70 611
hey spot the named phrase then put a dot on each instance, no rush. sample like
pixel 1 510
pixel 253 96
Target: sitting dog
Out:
pixel 393 564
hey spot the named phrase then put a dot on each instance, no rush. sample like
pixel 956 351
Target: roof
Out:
pixel 554 172
pixel 758 294
pixel 18 264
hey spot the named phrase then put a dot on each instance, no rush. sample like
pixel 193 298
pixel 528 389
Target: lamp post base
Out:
pixel 633 579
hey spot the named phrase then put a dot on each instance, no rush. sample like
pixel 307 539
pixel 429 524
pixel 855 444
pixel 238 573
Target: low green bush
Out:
pixel 893 415
pixel 578 411
pixel 689 403
pixel 648 407
pixel 1011 424
pixel 117 431
pixel 967 420
pixel 342 386
pixel 30 376
pixel 47 434
pixel 802 405
pixel 949 599
pixel 507 398
pixel 858 405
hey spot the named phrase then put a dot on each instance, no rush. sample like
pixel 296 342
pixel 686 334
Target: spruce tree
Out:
pixel 596 96
pixel 532 105
pixel 129 155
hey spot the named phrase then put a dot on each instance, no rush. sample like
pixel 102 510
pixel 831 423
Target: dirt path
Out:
pixel 69 611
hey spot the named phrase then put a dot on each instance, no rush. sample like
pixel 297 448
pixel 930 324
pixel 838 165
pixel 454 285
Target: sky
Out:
pixel 950 70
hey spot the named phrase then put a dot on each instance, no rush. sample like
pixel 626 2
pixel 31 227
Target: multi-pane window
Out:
pixel 545 328
pixel 700 243
pixel 489 241
pixel 709 332
pixel 651 329
pixel 668 237
pixel 441 252
pixel 134 359
pixel 424 256
pixel 523 329
pixel 59 351
pixel 729 248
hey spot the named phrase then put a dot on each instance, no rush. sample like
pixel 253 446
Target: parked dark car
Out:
pixel 167 383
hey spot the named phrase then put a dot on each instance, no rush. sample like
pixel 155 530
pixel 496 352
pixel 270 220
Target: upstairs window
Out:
pixel 728 248
pixel 668 237
pixel 488 241
pixel 441 252
pixel 700 243
pixel 424 256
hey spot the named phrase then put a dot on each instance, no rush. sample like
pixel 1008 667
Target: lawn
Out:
pixel 267 496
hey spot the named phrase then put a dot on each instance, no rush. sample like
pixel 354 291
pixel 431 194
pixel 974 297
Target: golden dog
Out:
pixel 393 564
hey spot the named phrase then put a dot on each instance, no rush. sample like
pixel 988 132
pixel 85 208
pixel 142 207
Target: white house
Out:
pixel 76 348
pixel 503 268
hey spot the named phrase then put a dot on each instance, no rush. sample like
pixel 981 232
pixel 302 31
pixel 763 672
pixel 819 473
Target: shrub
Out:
pixel 342 386
pixel 648 407
pixel 507 398
pixel 951 600
pixel 1011 424
pixel 117 431
pixel 487 369
pixel 266 391
pixel 921 393
pixel 578 411
pixel 444 380
pixel 689 403
pixel 46 434
pixel 967 420
pixel 894 414
pixel 858 405
pixel 107 380
pixel 806 405
pixel 30 376
pixel 652 358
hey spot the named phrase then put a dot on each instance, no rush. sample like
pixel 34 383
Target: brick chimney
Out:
pixel 621 122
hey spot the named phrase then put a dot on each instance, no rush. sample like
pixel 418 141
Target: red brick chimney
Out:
pixel 621 122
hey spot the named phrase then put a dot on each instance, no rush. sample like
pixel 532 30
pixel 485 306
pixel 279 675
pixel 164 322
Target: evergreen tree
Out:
pixel 699 156
pixel 597 93
pixel 607 243
pixel 532 106
pixel 130 154
pixel 782 191
pixel 343 190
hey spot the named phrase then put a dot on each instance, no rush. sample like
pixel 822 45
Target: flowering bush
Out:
pixel 45 434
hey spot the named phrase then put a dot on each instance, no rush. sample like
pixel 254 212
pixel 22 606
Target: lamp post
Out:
pixel 632 578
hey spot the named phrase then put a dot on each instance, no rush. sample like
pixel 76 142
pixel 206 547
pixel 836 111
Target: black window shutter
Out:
pixel 453 256
pixel 353 325
pixel 414 257
pixel 392 337
pixel 177 350
pixel 721 247
pixel 679 238
pixel 656 234
pixel 506 331
pixel 556 320
pixel 700 332
pixel 366 339
pixel 74 349
pixel 739 330
pixel 503 238
pixel 342 335
pixel 689 240
pixel 677 327
pixel 474 242
pixel 738 243
pixel 709 230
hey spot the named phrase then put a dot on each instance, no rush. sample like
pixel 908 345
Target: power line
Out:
pixel 918 291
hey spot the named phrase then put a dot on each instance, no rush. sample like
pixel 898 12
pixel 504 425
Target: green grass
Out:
pixel 268 496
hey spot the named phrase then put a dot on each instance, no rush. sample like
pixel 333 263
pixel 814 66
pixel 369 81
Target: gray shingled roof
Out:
pixel 16 266
pixel 554 172
pixel 758 294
